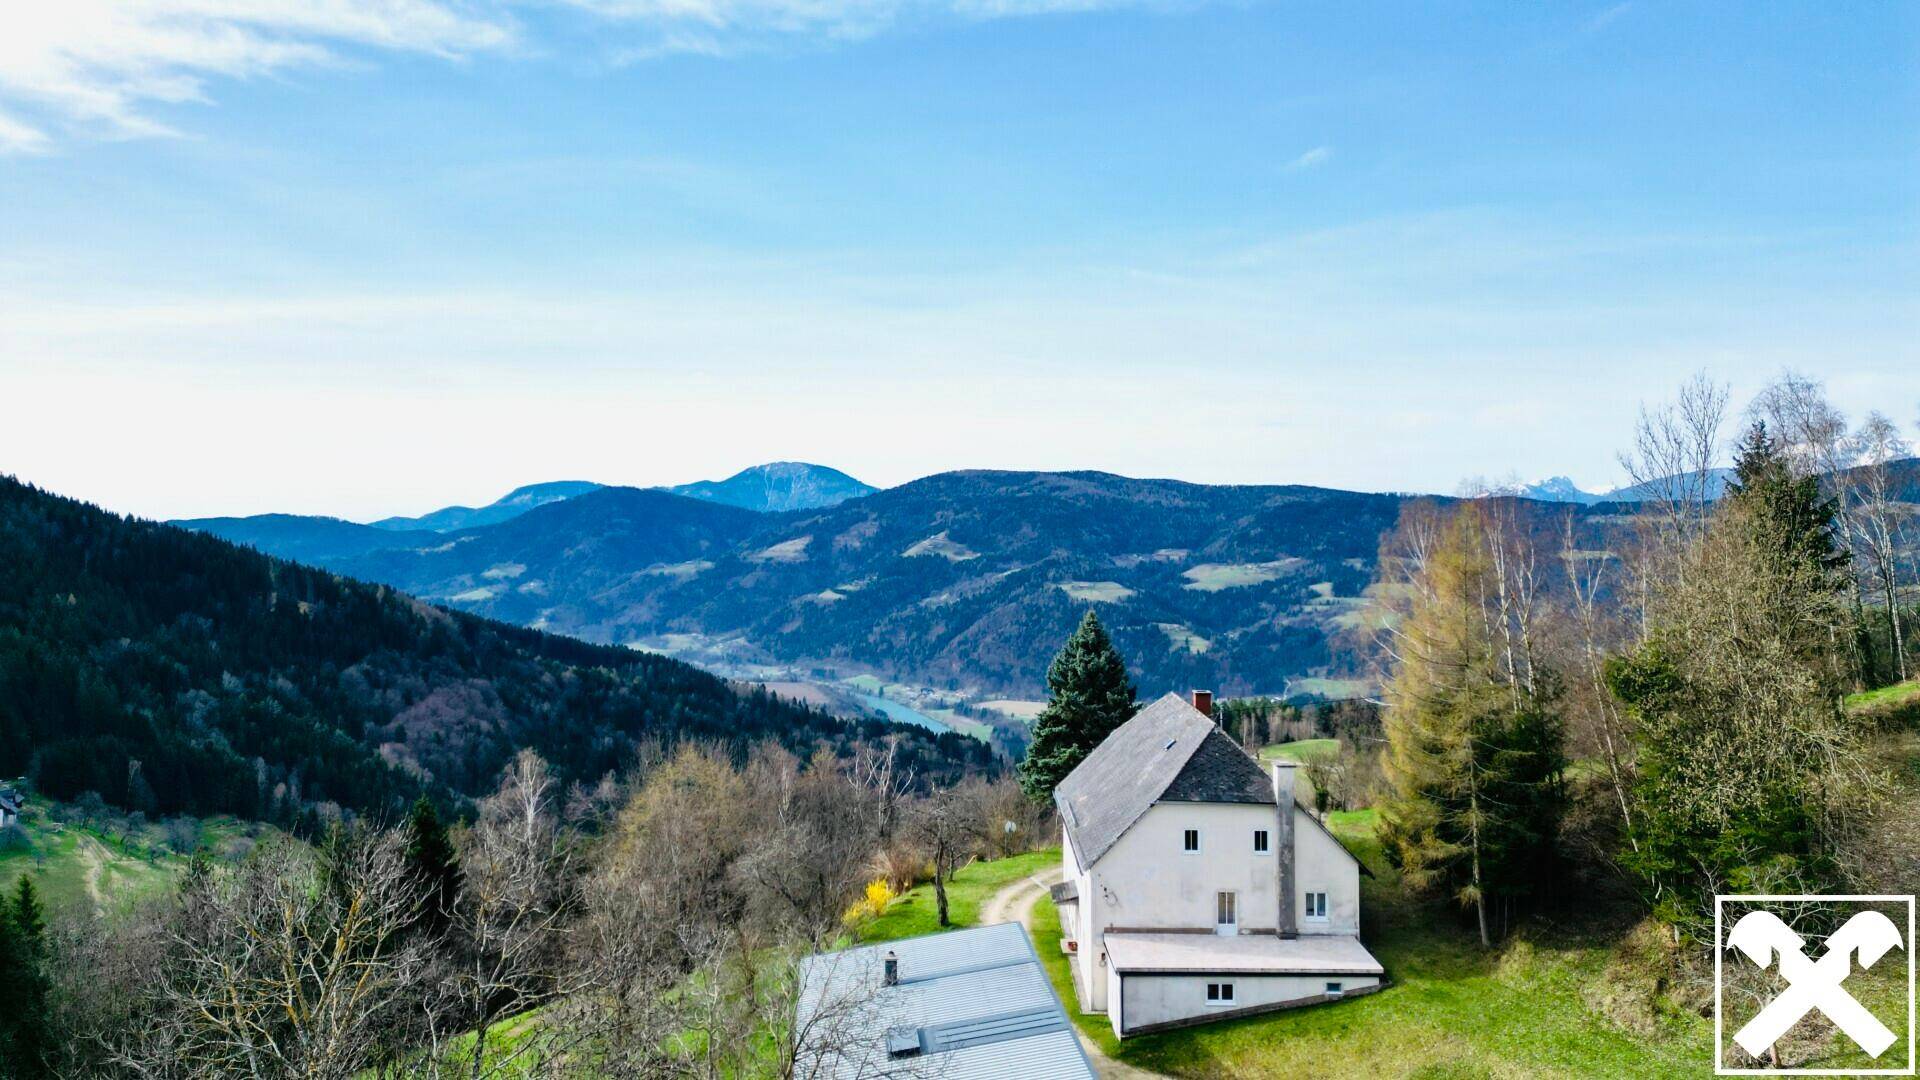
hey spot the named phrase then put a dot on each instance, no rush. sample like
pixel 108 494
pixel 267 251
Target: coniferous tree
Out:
pixel 1747 764
pixel 1791 519
pixel 1090 695
pixel 1474 748
pixel 431 855
pixel 26 1049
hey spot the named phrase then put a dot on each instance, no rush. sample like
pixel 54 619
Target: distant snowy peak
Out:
pixel 1559 489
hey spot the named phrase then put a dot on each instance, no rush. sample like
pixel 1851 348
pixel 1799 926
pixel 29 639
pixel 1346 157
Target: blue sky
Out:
pixel 372 256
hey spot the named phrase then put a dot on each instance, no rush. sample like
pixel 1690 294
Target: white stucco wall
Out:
pixel 1091 976
pixel 1145 881
pixel 1158 999
pixel 1322 865
pixel 1154 884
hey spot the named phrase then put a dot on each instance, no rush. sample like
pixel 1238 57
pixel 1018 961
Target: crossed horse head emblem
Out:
pixel 1814 984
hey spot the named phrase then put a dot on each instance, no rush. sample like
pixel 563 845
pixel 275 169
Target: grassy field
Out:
pixel 963 724
pixel 72 866
pixel 1451 1011
pixel 1019 710
pixel 1213 577
pixel 1303 750
pixel 1095 592
pixel 1886 696
pixel 916 911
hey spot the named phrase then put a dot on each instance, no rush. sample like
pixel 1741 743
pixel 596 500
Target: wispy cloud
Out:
pixel 1312 159
pixel 1600 20
pixel 16 137
pixel 103 68
pixel 99 66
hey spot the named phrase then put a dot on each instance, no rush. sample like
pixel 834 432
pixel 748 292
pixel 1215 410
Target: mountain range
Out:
pixel 1563 490
pixel 963 581
pixel 174 672
pixel 777 485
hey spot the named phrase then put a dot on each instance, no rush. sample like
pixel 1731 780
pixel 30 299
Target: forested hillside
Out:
pixel 964 578
pixel 173 672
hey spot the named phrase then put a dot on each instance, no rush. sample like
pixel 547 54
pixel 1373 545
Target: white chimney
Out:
pixel 1283 774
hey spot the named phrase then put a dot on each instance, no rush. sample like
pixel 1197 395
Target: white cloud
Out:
pixel 98 66
pixel 16 137
pixel 1312 159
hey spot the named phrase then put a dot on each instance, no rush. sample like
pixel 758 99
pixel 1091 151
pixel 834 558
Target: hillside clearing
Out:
pixel 1095 592
pixel 76 868
pixel 1213 577
pixel 1303 750
pixel 938 544
pixel 1181 637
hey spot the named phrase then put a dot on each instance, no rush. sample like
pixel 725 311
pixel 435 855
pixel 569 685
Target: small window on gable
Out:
pixel 1190 841
pixel 1259 841
pixel 1219 993
pixel 1316 905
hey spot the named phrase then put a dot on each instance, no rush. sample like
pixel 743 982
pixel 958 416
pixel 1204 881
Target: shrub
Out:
pixel 874 903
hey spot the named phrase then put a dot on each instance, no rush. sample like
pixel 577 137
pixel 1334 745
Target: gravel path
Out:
pixel 1014 902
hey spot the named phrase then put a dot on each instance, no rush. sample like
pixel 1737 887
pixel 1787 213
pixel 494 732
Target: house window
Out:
pixel 1333 989
pixel 1259 841
pixel 1219 993
pixel 1225 913
pixel 1316 905
pixel 1190 841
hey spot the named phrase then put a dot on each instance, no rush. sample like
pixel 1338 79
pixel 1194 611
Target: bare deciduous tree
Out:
pixel 511 921
pixel 1880 520
pixel 285 966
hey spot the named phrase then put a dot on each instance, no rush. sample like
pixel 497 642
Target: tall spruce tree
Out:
pixel 431 855
pixel 1791 518
pixel 26 1048
pixel 1090 695
pixel 1474 748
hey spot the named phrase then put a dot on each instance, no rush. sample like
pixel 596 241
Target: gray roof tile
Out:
pixel 1168 752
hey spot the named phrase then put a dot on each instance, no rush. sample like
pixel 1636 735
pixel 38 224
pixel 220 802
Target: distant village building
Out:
pixel 1196 887
pixel 10 803
pixel 970 1004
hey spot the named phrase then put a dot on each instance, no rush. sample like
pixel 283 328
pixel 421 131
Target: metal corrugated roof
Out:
pixel 977 999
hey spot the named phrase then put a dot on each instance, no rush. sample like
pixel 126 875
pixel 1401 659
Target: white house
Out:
pixel 10 803
pixel 1196 888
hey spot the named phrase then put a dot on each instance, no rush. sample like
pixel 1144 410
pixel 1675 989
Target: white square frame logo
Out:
pixel 1719 957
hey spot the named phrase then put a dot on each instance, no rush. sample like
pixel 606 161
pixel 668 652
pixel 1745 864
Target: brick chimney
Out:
pixel 1283 774
pixel 1203 700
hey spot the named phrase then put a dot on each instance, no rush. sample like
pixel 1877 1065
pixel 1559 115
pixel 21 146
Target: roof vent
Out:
pixel 1170 743
pixel 903 1042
